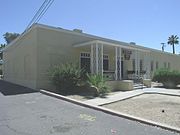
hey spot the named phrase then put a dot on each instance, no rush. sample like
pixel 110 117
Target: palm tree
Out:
pixel 172 40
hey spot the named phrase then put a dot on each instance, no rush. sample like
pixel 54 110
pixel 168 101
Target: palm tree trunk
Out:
pixel 173 49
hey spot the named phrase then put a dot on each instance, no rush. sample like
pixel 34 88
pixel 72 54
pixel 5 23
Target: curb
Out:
pixel 115 113
pixel 143 92
pixel 121 99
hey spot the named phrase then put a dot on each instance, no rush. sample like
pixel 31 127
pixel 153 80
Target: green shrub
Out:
pixel 98 81
pixel 66 76
pixel 170 79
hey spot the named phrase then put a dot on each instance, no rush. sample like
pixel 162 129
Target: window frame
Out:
pixel 88 55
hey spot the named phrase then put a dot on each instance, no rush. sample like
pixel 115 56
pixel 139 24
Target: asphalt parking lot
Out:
pixel 33 113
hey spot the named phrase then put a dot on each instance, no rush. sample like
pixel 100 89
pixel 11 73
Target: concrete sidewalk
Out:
pixel 129 94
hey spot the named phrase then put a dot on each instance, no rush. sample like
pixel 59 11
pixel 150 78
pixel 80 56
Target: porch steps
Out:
pixel 138 86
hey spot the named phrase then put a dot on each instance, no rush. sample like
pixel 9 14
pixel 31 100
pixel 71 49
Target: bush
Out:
pixel 170 79
pixel 66 76
pixel 99 82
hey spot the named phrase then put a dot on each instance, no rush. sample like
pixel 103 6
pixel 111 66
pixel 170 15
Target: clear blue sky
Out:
pixel 146 22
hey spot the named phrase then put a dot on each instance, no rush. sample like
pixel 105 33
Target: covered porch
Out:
pixel 114 61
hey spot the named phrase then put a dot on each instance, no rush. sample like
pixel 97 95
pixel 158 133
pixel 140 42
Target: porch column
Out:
pixel 137 70
pixel 136 63
pixel 101 59
pixel 97 58
pixel 117 63
pixel 148 65
pixel 92 59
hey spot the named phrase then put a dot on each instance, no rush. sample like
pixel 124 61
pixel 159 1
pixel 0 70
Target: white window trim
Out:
pixel 88 53
pixel 106 55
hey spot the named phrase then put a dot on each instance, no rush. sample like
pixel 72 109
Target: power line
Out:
pixel 41 11
pixel 44 10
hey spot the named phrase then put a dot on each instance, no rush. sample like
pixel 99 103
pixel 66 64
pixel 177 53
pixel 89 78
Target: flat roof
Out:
pixel 84 35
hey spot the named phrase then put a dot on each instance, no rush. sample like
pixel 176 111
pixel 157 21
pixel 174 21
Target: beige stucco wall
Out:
pixel 55 48
pixel 162 58
pixel 156 56
pixel 174 60
pixel 20 61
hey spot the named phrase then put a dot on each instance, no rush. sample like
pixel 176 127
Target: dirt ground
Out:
pixel 159 108
pixel 86 96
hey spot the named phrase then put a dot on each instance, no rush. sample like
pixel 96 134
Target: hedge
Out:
pixel 170 79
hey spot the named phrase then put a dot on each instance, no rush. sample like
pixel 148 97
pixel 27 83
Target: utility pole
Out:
pixel 163 45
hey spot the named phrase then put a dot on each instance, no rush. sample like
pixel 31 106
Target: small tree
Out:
pixel 9 37
pixel 99 82
pixel 172 40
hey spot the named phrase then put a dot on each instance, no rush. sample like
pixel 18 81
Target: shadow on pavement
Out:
pixel 7 88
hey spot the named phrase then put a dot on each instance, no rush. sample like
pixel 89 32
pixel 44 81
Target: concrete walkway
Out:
pixel 129 94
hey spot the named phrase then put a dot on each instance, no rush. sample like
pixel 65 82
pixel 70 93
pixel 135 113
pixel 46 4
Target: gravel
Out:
pixel 78 97
pixel 159 108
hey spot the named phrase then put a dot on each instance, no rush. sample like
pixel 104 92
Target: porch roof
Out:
pixel 128 46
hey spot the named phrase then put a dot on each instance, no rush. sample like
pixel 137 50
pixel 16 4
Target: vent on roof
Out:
pixel 78 30
pixel 132 43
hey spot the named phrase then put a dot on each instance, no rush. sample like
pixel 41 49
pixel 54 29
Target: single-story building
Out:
pixel 28 58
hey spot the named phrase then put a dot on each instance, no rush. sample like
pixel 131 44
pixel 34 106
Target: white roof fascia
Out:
pixel 18 38
pixel 84 43
pixel 123 46
pixel 109 44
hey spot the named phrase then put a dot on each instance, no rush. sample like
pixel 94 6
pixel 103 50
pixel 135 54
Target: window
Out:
pixel 105 62
pixel 85 61
pixel 157 65
pixel 152 65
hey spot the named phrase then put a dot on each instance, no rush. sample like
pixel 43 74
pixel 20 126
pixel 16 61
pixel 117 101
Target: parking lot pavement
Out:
pixel 7 88
pixel 38 114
